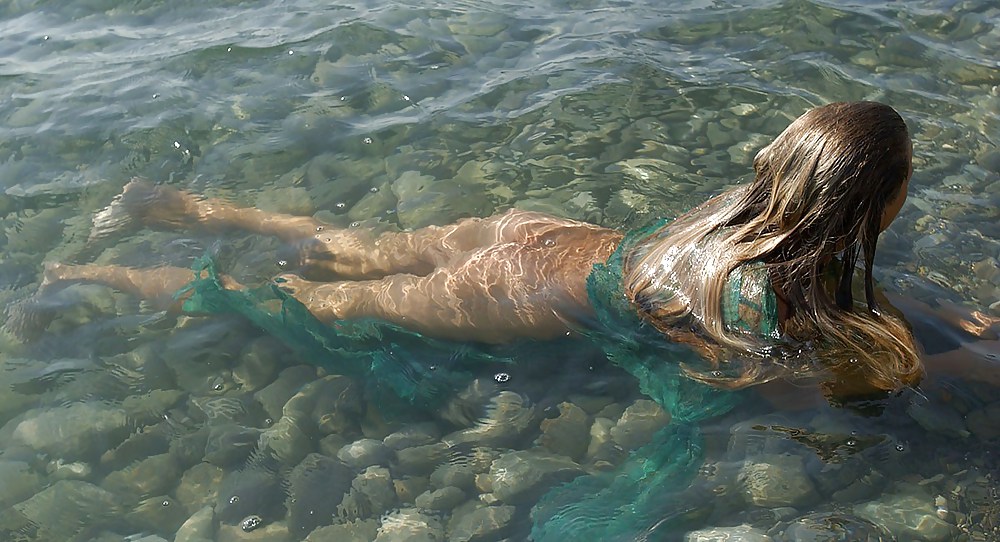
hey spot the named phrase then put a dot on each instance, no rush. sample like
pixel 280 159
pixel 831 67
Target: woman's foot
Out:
pixel 28 318
pixel 327 301
pixel 142 203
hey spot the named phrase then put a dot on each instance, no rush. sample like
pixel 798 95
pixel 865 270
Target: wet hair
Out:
pixel 814 209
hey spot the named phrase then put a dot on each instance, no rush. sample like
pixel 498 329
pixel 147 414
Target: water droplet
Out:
pixel 406 98
pixel 367 141
pixel 373 189
pixel 501 377
pixel 282 263
pixel 549 243
pixel 229 49
pixel 852 442
pixel 177 144
pixel 165 503
pixel 290 52
pixel 234 499
pixel 340 205
pixel 250 523
pixel 900 448
pixel 355 224
pixel 432 367
pixel 319 228
pixel 155 96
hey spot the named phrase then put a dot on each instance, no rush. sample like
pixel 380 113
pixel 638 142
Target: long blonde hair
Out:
pixel 820 191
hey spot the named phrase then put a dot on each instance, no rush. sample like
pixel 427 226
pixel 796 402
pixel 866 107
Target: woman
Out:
pixel 756 274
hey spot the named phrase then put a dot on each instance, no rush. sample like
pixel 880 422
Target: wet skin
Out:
pixel 518 274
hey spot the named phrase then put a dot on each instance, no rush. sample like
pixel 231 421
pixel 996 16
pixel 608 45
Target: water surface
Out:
pixel 404 114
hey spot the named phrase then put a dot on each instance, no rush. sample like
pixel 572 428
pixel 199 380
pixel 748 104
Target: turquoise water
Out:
pixel 383 115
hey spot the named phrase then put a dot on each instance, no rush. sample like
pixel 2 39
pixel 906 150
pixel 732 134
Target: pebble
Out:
pixel 154 475
pixel 421 460
pixel 508 416
pixel 372 494
pixel 269 532
pixel 19 481
pixel 939 418
pixel 61 510
pixel 286 441
pixel 200 527
pixel 568 434
pixel 364 453
pixel 352 531
pixel 274 396
pixel 76 431
pixel 255 490
pixel 148 408
pixel 316 487
pixel 229 445
pixel 159 513
pixel 740 533
pixel 521 476
pixel 338 404
pixel 481 524
pixel 834 527
pixel 984 422
pixel 412 435
pixel 777 480
pixel 259 363
pixel 60 470
pixel 908 517
pixel 638 423
pixel 460 475
pixel 440 500
pixel 410 525
pixel 408 488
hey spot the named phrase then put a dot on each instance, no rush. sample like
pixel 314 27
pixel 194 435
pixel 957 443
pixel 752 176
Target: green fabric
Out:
pixel 400 368
pixel 749 288
pixel 647 495
pixel 405 369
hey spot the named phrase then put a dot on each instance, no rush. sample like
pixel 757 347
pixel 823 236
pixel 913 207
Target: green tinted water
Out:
pixel 382 115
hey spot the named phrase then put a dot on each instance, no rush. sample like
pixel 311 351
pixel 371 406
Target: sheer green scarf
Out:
pixel 405 369
pixel 645 497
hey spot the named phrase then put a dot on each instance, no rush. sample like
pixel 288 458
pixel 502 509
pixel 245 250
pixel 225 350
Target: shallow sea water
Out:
pixel 121 422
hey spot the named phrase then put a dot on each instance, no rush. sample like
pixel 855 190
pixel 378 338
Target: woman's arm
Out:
pixel 956 342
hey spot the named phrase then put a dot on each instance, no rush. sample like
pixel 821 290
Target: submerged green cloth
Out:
pixel 403 368
pixel 646 497
pixel 749 303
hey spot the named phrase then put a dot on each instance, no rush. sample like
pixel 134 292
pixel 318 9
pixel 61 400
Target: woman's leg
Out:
pixel 166 207
pixel 157 285
pixel 498 293
pixel 328 252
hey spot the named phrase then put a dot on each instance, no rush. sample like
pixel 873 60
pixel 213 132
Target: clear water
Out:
pixel 610 112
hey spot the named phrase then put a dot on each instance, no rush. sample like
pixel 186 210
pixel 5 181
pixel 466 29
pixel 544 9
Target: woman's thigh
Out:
pixel 498 293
